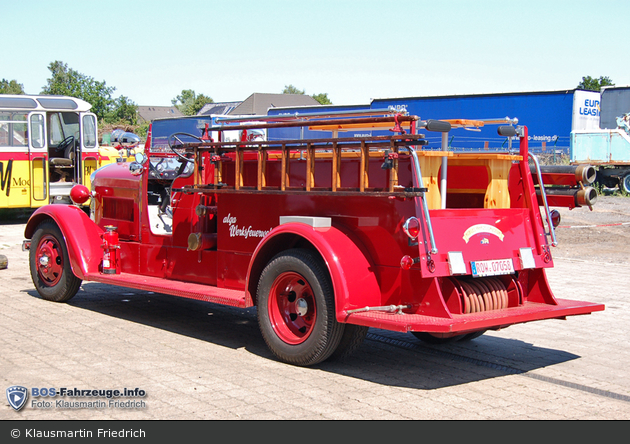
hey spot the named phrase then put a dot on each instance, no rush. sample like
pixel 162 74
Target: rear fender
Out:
pixel 353 275
pixel 81 235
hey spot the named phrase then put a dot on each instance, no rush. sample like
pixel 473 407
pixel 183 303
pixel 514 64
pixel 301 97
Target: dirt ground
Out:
pixel 599 235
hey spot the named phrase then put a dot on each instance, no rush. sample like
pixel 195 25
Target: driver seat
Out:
pixel 60 161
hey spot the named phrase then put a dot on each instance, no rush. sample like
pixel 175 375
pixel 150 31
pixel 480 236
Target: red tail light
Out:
pixel 411 227
pixel 555 218
pixel 406 262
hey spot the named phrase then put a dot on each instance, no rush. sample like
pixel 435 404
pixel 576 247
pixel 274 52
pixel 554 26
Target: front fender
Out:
pixel 353 275
pixel 81 235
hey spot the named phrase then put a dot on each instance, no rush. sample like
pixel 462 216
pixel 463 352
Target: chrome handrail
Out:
pixel 425 208
pixel 552 232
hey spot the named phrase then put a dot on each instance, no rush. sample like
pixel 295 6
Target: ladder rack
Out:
pixel 217 153
pixel 308 151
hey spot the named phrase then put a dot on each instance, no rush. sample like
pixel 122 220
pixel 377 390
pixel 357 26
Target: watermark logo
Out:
pixel 17 396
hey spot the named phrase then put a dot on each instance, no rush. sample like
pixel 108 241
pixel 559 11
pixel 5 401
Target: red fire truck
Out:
pixel 326 237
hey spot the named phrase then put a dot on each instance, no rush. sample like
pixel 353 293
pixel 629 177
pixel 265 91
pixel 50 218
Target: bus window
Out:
pixel 4 130
pixel 37 131
pixel 89 131
pixel 13 129
pixel 55 130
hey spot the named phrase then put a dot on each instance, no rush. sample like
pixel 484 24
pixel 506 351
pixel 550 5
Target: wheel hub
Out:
pixel 301 307
pixel 49 261
pixel 292 309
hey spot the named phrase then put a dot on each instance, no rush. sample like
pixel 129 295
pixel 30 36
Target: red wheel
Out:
pixel 296 308
pixel 49 264
pixel 292 309
pixel 49 260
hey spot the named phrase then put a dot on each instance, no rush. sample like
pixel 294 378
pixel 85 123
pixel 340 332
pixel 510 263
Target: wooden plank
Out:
pixel 363 169
pixel 310 167
pixel 430 168
pixel 218 171
pixel 336 166
pixel 498 194
pixel 356 126
pixel 486 156
pixel 284 169
pixel 238 168
pixel 262 169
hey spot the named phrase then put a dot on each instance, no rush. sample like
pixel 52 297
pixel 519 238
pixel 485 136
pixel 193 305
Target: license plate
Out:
pixel 492 268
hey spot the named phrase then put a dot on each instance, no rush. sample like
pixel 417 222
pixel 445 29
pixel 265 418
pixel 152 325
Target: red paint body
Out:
pixel 240 231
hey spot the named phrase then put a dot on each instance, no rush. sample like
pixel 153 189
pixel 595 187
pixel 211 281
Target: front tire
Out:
pixel 296 308
pixel 50 265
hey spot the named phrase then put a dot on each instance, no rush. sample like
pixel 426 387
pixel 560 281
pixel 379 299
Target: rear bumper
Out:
pixel 487 320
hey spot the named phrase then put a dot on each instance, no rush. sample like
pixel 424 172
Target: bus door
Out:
pixel 38 159
pixel 89 148
pixel 14 160
pixel 63 136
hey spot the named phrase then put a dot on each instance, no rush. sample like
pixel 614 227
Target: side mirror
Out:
pixel 139 157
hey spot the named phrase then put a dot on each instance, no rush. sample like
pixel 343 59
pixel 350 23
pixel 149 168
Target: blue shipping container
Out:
pixel 550 117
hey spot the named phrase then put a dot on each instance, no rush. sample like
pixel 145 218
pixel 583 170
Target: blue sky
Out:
pixel 353 50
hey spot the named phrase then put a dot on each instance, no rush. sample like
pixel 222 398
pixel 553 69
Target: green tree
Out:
pixel 189 103
pixel 66 81
pixel 592 84
pixel 11 87
pixel 290 89
pixel 322 98
pixel 124 110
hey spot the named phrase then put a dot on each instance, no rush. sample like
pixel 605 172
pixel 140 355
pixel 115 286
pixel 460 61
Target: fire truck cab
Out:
pixel 326 237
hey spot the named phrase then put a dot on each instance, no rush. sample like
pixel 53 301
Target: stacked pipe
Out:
pixel 566 185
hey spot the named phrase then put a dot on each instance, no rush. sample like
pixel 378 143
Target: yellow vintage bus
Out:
pixel 47 145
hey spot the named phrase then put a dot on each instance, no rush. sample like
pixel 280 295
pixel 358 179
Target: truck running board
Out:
pixel 492 320
pixel 207 293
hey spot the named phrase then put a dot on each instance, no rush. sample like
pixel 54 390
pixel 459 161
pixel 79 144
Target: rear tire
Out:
pixel 624 184
pixel 296 308
pixel 353 336
pixel 50 265
pixel 471 336
pixel 431 339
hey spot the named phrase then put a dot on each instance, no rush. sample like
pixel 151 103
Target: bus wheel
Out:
pixel 50 266
pixel 296 308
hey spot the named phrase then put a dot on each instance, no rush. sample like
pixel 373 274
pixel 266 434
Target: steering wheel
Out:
pixel 174 136
pixel 65 143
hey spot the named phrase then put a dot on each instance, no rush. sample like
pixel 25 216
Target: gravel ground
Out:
pixel 602 234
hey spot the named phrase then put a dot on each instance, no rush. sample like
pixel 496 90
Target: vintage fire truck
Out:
pixel 325 236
